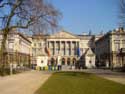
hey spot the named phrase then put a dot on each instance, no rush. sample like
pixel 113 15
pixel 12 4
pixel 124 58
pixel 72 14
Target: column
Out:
pixel 75 49
pixel 50 47
pixel 65 53
pixel 70 47
pixel 54 47
pixel 65 47
pixel 59 47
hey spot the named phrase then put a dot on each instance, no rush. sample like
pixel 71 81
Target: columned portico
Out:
pixel 65 46
pixel 62 47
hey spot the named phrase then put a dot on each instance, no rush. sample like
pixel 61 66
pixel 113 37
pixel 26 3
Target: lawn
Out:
pixel 79 83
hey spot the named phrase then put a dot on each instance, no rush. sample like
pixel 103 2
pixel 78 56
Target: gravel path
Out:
pixel 24 83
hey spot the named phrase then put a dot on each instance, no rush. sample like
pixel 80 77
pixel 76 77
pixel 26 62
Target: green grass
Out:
pixel 79 83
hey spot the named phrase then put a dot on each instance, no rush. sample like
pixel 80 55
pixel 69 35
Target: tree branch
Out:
pixel 5 4
pixel 12 12
pixel 22 26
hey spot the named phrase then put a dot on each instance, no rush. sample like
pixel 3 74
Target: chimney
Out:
pixel 121 29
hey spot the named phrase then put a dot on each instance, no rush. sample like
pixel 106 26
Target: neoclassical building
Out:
pixel 66 48
pixel 18 49
pixel 63 47
pixel 110 49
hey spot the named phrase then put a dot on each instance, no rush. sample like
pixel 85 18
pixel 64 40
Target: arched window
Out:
pixel 63 61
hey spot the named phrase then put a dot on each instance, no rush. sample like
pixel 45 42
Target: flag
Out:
pixel 78 51
pixel 47 51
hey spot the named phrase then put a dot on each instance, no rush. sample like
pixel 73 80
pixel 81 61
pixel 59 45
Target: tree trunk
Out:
pixel 3 50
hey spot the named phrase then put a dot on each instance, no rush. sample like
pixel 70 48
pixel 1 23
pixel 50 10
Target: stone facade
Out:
pixel 61 44
pixel 18 49
pixel 108 49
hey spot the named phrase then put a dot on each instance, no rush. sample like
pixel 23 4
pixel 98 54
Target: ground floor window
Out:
pixel 74 61
pixel 68 61
pixel 63 61
pixel 52 61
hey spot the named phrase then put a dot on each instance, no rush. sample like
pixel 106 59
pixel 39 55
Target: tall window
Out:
pixel 39 44
pixel 123 43
pixel 117 45
pixel 11 45
pixel 35 44
pixel 34 51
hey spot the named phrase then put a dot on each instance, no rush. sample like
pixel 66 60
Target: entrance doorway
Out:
pixel 68 61
pixel 74 61
pixel 52 61
pixel 63 61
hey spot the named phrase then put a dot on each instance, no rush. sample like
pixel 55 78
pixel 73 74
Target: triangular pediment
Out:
pixel 90 53
pixel 63 34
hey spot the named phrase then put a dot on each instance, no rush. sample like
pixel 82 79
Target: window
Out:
pixel 34 51
pixel 39 44
pixel 34 44
pixel 42 61
pixel 117 45
pixel 117 36
pixel 123 43
pixel 10 45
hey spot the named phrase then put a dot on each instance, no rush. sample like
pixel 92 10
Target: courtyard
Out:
pixel 89 81
pixel 62 46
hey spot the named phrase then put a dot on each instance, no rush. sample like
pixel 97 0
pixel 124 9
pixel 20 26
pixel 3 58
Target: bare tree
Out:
pixel 37 15
pixel 122 13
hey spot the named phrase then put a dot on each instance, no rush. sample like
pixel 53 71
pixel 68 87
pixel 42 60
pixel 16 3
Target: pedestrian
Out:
pixel 49 66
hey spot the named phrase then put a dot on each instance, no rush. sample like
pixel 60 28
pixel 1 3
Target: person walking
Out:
pixel 49 66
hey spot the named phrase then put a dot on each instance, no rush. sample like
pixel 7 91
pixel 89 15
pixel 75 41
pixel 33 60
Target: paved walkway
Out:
pixel 24 83
pixel 108 74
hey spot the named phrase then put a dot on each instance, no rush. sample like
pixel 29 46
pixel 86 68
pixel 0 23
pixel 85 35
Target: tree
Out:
pixel 36 15
pixel 122 13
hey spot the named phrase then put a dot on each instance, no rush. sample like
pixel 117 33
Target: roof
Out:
pixel 63 34
pixel 18 33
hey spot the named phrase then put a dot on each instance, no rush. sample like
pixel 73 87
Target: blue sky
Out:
pixel 85 15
